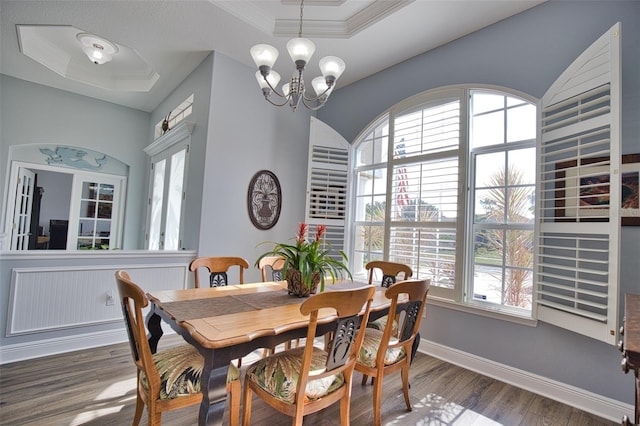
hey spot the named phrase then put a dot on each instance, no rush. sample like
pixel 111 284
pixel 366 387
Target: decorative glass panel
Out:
pixel 96 212
pixel 157 194
pixel 174 202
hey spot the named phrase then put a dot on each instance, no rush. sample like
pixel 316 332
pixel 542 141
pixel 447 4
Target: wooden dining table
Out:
pixel 227 323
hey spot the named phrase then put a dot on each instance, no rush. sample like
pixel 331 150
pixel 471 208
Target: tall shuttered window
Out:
pixel 407 179
pixel 415 212
pixel 506 206
pixel 327 182
pixel 425 198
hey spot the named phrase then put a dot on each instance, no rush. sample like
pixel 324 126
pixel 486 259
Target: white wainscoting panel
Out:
pixel 45 299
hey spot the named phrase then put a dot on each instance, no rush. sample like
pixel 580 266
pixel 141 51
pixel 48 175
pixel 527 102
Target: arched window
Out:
pixel 446 181
pixel 412 169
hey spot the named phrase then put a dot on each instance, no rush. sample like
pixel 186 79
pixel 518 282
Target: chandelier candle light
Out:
pixel 300 49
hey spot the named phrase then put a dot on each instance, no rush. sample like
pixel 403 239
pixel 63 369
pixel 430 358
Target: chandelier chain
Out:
pixel 300 30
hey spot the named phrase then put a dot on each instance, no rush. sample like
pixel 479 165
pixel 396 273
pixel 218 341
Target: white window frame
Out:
pixel 456 296
pixel 505 147
pixel 117 210
pixel 357 254
pixel 78 176
pixel 437 228
pixel 174 141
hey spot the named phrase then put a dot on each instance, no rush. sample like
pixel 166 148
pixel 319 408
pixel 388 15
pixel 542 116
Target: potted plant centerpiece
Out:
pixel 309 263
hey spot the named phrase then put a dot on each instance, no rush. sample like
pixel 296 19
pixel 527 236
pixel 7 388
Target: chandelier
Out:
pixel 300 49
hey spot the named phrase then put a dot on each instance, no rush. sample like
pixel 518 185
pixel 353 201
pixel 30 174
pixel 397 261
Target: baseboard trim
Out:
pixel 584 400
pixel 40 348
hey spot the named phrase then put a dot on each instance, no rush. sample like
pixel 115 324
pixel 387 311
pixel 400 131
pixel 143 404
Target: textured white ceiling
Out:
pixel 174 36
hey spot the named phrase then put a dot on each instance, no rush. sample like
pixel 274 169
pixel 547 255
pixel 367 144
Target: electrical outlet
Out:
pixel 110 300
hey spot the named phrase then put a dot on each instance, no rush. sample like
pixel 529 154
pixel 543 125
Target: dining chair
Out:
pixel 305 380
pixel 218 266
pixel 385 352
pixel 273 263
pixel 391 271
pixel 169 379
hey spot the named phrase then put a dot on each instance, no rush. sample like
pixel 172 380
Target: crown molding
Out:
pixel 327 28
pixel 346 28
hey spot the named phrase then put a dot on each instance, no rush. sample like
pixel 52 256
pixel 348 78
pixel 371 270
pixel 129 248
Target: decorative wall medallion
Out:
pixel 264 199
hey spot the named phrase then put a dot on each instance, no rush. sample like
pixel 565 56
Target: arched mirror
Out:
pixel 64 198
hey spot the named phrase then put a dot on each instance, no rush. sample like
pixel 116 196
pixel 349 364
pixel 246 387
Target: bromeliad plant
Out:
pixel 311 257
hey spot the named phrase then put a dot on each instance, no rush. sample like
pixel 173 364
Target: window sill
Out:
pixel 482 311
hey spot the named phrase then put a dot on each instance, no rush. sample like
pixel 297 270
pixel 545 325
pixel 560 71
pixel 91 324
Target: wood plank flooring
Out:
pixel 97 387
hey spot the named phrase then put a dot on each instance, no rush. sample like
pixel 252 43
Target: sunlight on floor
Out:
pixel 111 400
pixel 439 412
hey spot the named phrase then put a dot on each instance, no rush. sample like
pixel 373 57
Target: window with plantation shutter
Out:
pixel 444 183
pixel 578 215
pixel 368 201
pixel 425 201
pixel 510 208
pixel 327 182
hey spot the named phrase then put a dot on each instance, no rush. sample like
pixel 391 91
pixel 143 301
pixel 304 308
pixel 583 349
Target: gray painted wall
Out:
pixel 246 135
pixel 236 134
pixel 36 114
pixel 526 52
pixel 198 84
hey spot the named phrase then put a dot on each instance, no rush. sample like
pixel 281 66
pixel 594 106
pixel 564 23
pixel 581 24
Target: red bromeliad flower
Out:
pixel 302 231
pixel 311 258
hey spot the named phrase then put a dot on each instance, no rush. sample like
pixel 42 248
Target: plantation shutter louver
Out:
pixel 425 194
pixel 327 182
pixel 578 231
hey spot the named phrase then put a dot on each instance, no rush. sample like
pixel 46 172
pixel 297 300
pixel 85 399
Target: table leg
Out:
pixel 155 330
pixel 214 391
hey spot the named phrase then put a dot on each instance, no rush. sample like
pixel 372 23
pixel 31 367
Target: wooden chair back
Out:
pixel 352 308
pixel 273 263
pixel 218 267
pixel 408 313
pixel 408 300
pixel 347 335
pixel 390 271
pixel 132 301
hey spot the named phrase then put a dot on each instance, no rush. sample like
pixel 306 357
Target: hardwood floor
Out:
pixel 97 387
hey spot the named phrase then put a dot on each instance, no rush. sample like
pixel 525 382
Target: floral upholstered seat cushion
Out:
pixel 369 349
pixel 180 369
pixel 278 374
pixel 381 323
